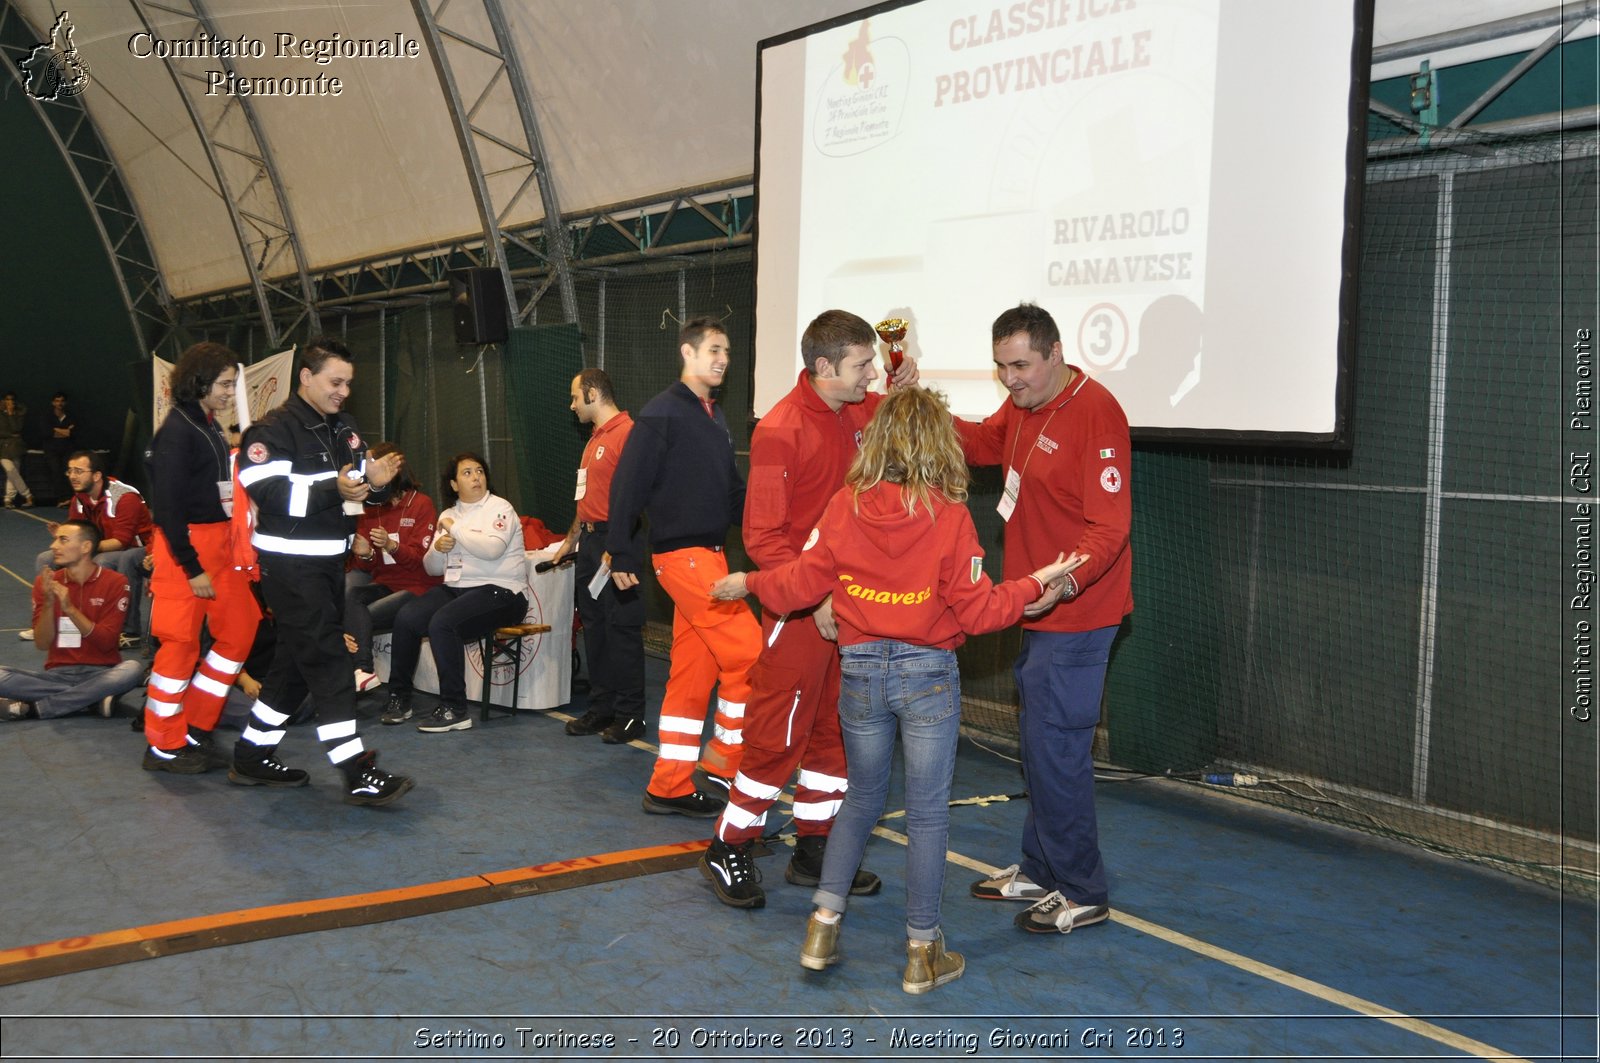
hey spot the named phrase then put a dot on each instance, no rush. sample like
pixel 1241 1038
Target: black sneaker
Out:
pixel 256 766
pixel 805 867
pixel 731 870
pixel 695 805
pixel 590 723
pixel 185 761
pixel 621 732
pixel 206 744
pixel 396 711
pixel 446 718
pixel 370 784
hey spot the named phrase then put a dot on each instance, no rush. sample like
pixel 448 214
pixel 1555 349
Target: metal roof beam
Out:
pixel 497 62
pixel 1487 31
pixel 229 124
pixel 111 207
pixel 1511 76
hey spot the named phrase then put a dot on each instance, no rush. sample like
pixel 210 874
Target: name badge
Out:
pixel 583 485
pixel 68 637
pixel 452 569
pixel 225 494
pixel 1008 495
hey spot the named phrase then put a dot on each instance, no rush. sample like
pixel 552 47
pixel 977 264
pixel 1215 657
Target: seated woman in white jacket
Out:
pixel 478 550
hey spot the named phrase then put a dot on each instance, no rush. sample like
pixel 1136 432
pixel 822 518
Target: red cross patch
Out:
pixel 257 452
pixel 355 441
pixel 1111 479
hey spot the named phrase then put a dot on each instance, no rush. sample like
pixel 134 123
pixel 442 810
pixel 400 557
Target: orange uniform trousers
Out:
pixel 180 694
pixel 713 645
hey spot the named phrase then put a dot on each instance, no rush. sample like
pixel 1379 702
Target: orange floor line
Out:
pixel 111 947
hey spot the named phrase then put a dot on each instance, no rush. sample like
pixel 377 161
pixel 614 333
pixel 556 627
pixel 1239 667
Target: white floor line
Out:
pixel 1333 996
pixel 19 579
pixel 1361 1006
pixel 1449 1038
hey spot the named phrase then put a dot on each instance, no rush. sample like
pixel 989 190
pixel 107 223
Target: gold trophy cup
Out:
pixel 892 331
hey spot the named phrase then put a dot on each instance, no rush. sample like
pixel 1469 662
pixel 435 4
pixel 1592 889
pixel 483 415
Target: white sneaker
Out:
pixel 365 681
pixel 108 706
pixel 26 634
pixel 1057 915
pixel 1008 884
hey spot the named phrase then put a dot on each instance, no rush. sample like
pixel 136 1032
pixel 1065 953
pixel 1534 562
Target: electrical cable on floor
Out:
pixel 1102 772
pixel 990 749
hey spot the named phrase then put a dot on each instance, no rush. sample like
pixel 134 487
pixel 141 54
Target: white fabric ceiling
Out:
pixel 634 98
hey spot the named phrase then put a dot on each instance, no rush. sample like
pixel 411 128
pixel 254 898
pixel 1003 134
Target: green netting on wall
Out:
pixel 540 362
pixel 1376 635
pixel 1380 637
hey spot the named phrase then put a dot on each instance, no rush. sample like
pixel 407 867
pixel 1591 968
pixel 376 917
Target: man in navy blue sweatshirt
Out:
pixel 678 467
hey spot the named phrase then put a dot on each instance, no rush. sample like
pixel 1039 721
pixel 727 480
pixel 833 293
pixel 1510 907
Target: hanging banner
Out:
pixel 266 384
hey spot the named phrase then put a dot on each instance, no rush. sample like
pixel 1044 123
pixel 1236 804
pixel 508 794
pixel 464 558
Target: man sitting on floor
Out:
pixel 119 512
pixel 78 612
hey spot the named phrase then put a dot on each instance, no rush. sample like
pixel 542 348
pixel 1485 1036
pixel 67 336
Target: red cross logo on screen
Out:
pixel 858 60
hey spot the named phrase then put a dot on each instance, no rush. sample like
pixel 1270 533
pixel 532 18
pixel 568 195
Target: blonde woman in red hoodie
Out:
pixel 897 550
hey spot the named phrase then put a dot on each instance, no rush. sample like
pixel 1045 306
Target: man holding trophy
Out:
pixel 799 455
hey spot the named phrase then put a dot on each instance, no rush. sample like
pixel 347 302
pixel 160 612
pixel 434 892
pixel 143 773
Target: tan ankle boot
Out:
pixel 929 966
pixel 821 949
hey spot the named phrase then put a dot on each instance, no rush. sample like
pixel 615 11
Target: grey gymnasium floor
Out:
pixel 1239 932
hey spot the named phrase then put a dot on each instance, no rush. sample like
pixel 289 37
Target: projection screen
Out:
pixel 1176 181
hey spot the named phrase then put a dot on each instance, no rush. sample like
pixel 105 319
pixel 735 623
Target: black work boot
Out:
pixel 805 867
pixel 206 743
pixel 257 766
pixel 369 784
pixel 186 761
pixel 590 723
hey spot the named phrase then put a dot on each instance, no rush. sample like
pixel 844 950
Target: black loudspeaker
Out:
pixel 478 302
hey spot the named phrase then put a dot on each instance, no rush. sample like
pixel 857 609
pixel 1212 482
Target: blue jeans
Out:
pixel 70 688
pixel 887 685
pixel 1060 677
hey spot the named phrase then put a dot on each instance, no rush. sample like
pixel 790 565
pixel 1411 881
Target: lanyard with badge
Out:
pixel 583 469
pixel 219 445
pixel 394 536
pixel 68 637
pixel 1013 485
pixel 453 560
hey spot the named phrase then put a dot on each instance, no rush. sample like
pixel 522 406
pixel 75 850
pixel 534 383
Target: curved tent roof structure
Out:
pixel 634 98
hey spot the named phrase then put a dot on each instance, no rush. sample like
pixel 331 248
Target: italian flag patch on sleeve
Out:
pixel 1108 452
